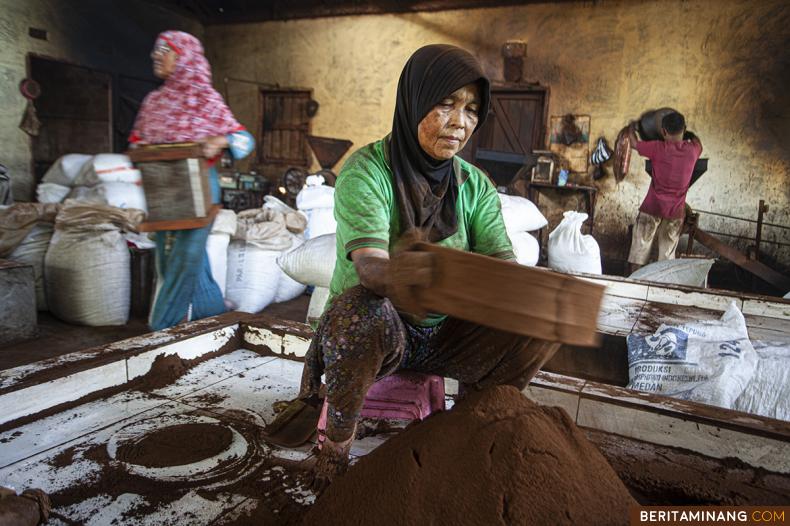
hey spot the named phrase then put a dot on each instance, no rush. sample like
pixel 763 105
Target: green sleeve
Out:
pixel 487 227
pixel 362 208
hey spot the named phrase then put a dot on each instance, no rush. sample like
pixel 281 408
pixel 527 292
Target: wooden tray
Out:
pixel 181 224
pixel 176 183
pixel 510 297
pixel 165 152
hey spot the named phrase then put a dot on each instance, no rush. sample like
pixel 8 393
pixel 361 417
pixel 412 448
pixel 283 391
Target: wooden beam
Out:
pixel 762 271
pixel 247 11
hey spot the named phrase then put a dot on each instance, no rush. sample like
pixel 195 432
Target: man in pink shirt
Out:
pixel 663 210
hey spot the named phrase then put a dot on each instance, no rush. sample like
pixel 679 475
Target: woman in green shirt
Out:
pixel 411 181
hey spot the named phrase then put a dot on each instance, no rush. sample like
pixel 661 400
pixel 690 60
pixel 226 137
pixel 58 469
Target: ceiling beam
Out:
pixel 247 11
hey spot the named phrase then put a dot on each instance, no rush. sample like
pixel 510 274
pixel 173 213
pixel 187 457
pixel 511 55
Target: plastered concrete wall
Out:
pixel 109 35
pixel 724 63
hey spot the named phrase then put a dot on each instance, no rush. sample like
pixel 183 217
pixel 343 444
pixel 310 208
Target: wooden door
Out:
pixel 74 109
pixel 516 122
pixel 129 93
pixel 284 128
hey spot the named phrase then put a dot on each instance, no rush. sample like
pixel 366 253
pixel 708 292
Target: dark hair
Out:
pixel 673 123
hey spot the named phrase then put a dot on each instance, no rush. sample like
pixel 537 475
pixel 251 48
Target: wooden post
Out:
pixel 762 208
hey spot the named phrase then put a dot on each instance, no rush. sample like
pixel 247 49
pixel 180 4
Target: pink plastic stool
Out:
pixel 405 396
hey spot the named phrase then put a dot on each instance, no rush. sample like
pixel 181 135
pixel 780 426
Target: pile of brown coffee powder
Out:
pixel 496 458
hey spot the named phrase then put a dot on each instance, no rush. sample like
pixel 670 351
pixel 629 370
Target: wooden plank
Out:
pixel 507 296
pixel 694 412
pixel 760 270
pixel 704 300
pixel 710 439
pixel 618 315
pixel 620 287
pixel 775 308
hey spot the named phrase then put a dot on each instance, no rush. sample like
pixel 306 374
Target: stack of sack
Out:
pixel 569 250
pixel 56 184
pixel 253 279
pixel 521 217
pixel 312 264
pixel 110 178
pixel 317 201
pixel 106 178
pixel 25 233
pixel 87 266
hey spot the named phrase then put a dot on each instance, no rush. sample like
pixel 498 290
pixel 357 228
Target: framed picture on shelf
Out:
pixel 543 171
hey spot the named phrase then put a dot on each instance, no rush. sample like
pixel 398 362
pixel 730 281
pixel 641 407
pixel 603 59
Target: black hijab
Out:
pixel 427 189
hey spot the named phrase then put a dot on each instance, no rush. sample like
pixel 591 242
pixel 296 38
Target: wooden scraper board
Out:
pixel 507 296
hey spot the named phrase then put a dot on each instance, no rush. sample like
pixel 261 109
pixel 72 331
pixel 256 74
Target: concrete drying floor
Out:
pixel 74 455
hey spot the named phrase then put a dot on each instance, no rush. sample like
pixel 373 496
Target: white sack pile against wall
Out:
pixel 521 216
pixel 254 280
pixel 110 178
pixel 66 169
pixel 59 179
pixel 711 362
pixel 87 268
pixel 569 250
pixel 317 201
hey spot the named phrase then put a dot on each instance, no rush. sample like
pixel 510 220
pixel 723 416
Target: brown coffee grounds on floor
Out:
pixel 177 445
pixel 165 370
pixel 64 458
pixel 661 475
pixel 496 458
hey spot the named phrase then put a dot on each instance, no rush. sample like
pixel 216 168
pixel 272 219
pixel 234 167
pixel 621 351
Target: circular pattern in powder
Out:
pixel 177 445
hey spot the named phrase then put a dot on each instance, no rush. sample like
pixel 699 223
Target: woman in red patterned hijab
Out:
pixel 187 108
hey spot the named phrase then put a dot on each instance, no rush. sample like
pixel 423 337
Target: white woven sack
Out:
pixel 710 361
pixel 252 277
pixel 108 168
pixel 521 214
pixel 121 195
pixel 65 170
pixel 224 222
pixel 692 272
pixel 569 250
pixel 312 263
pixel 768 392
pixel 320 221
pixel 525 247
pixel 217 250
pixel 32 250
pixel 288 288
pixel 315 196
pixel 88 277
pixel 52 192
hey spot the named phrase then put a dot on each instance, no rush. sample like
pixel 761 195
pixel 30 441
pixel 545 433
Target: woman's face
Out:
pixel 164 60
pixel 448 126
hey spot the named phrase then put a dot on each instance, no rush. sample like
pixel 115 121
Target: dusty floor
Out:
pixel 95 463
